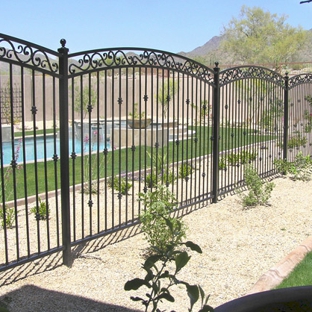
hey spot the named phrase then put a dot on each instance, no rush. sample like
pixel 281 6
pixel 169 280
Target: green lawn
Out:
pixel 301 275
pixel 46 176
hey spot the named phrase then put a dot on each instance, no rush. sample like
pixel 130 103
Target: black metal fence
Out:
pixel 99 127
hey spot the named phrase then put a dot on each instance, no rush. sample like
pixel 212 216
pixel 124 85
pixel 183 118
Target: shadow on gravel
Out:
pixel 34 299
pixel 53 261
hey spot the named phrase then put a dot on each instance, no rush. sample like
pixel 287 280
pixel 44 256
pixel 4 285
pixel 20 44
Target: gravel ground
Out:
pixel 238 247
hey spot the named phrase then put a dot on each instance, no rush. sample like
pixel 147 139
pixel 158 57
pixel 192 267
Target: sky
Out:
pixel 169 25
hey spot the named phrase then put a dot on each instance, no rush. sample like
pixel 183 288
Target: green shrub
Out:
pixel 222 163
pixel 258 191
pixel 247 156
pixel 159 203
pixel 296 141
pixel 41 211
pixel 169 254
pixel 308 117
pixel 185 170
pixel 151 179
pixel 233 159
pixel 282 166
pixel 161 275
pixel 119 184
pixel 158 160
pixel 299 169
pixel 9 217
pixel 169 177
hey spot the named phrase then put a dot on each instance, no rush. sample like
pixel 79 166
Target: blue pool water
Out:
pixel 51 149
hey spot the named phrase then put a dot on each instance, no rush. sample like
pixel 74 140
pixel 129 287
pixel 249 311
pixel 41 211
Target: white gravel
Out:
pixel 238 247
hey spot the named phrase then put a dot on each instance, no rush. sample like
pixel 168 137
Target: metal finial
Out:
pixel 217 64
pixel 63 43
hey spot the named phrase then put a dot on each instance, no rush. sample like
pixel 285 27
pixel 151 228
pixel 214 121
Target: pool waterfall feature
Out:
pixel 121 135
pixel 108 134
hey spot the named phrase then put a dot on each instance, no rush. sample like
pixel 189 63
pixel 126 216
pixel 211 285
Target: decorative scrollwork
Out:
pixel 22 52
pixel 247 72
pixel 299 79
pixel 135 57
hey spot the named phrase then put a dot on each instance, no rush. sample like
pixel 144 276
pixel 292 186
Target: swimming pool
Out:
pixel 50 145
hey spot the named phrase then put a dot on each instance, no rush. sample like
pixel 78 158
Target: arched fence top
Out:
pixel 248 72
pixel 96 60
pixel 30 55
pixel 33 56
pixel 299 79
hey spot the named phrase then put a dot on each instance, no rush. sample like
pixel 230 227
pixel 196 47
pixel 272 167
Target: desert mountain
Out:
pixel 210 52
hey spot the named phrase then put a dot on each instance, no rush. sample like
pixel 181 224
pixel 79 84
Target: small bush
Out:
pixel 159 203
pixel 233 159
pixel 247 156
pixel 9 217
pixel 151 179
pixel 169 177
pixel 169 253
pixel 185 170
pixel 300 169
pixel 119 184
pixel 41 211
pixel 296 141
pixel 161 275
pixel 222 163
pixel 258 191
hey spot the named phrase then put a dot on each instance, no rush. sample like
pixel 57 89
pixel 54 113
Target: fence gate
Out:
pixel 97 128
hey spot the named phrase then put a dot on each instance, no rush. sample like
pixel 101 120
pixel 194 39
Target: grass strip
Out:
pixel 301 275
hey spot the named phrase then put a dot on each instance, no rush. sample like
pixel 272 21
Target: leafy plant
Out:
pixel 158 174
pixel 270 116
pixel 165 94
pixel 308 126
pixel 151 179
pixel 222 163
pixel 7 217
pixel 84 99
pixel 120 184
pixel 205 109
pixel 259 192
pixel 159 203
pixel 169 177
pixel 91 165
pixel 299 169
pixel 282 165
pixel 136 114
pixel 234 159
pixel 158 161
pixel 295 141
pixel 247 156
pixel 161 276
pixel 169 255
pixel 185 170
pixel 41 211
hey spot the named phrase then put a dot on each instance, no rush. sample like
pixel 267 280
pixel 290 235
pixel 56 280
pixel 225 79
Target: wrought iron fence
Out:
pixel 99 127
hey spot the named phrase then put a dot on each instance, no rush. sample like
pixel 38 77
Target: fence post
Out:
pixel 216 135
pixel 285 139
pixel 64 152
